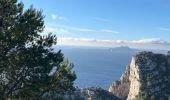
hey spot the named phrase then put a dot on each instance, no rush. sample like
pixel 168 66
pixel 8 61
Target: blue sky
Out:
pixel 117 21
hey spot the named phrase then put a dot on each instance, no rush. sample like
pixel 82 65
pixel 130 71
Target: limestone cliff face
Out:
pixel 147 75
pixel 134 79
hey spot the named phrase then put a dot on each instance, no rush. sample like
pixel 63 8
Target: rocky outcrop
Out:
pixel 147 75
pixel 91 93
pixel 120 88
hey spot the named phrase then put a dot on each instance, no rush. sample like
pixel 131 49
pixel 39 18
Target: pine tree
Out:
pixel 29 67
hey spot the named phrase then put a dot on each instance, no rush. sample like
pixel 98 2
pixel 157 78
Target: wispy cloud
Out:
pixel 57 17
pixel 72 29
pixel 109 31
pixel 149 43
pixel 164 29
pixel 82 29
pixel 56 30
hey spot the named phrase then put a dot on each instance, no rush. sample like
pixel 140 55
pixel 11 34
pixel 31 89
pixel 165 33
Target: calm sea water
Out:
pixel 96 66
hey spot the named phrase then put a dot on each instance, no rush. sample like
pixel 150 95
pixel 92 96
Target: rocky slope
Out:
pixel 91 93
pixel 147 75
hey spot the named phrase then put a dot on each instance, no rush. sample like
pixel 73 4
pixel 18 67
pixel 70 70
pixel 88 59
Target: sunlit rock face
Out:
pixel 147 75
pixel 134 79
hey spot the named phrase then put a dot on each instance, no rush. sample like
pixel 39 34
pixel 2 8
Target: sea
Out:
pixel 97 66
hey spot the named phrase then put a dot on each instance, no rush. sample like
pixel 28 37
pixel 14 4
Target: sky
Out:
pixel 108 23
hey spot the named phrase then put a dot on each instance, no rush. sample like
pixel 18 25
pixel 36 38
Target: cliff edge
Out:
pixel 148 75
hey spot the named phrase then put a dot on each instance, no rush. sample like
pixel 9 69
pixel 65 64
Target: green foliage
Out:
pixel 29 67
pixel 168 97
pixel 152 97
pixel 145 97
pixel 140 98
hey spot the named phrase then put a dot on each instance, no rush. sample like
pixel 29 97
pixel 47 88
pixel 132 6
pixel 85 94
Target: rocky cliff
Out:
pixel 148 75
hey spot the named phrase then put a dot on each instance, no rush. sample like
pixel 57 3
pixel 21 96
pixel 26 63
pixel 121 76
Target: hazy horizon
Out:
pixel 99 66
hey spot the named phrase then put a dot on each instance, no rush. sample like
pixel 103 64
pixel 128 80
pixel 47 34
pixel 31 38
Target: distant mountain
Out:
pixel 123 49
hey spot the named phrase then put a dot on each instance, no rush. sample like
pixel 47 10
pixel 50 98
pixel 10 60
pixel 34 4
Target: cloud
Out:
pixel 64 30
pixel 109 31
pixel 149 43
pixel 56 17
pixel 82 29
pixel 164 29
pixel 71 28
pixel 141 41
pixel 56 30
